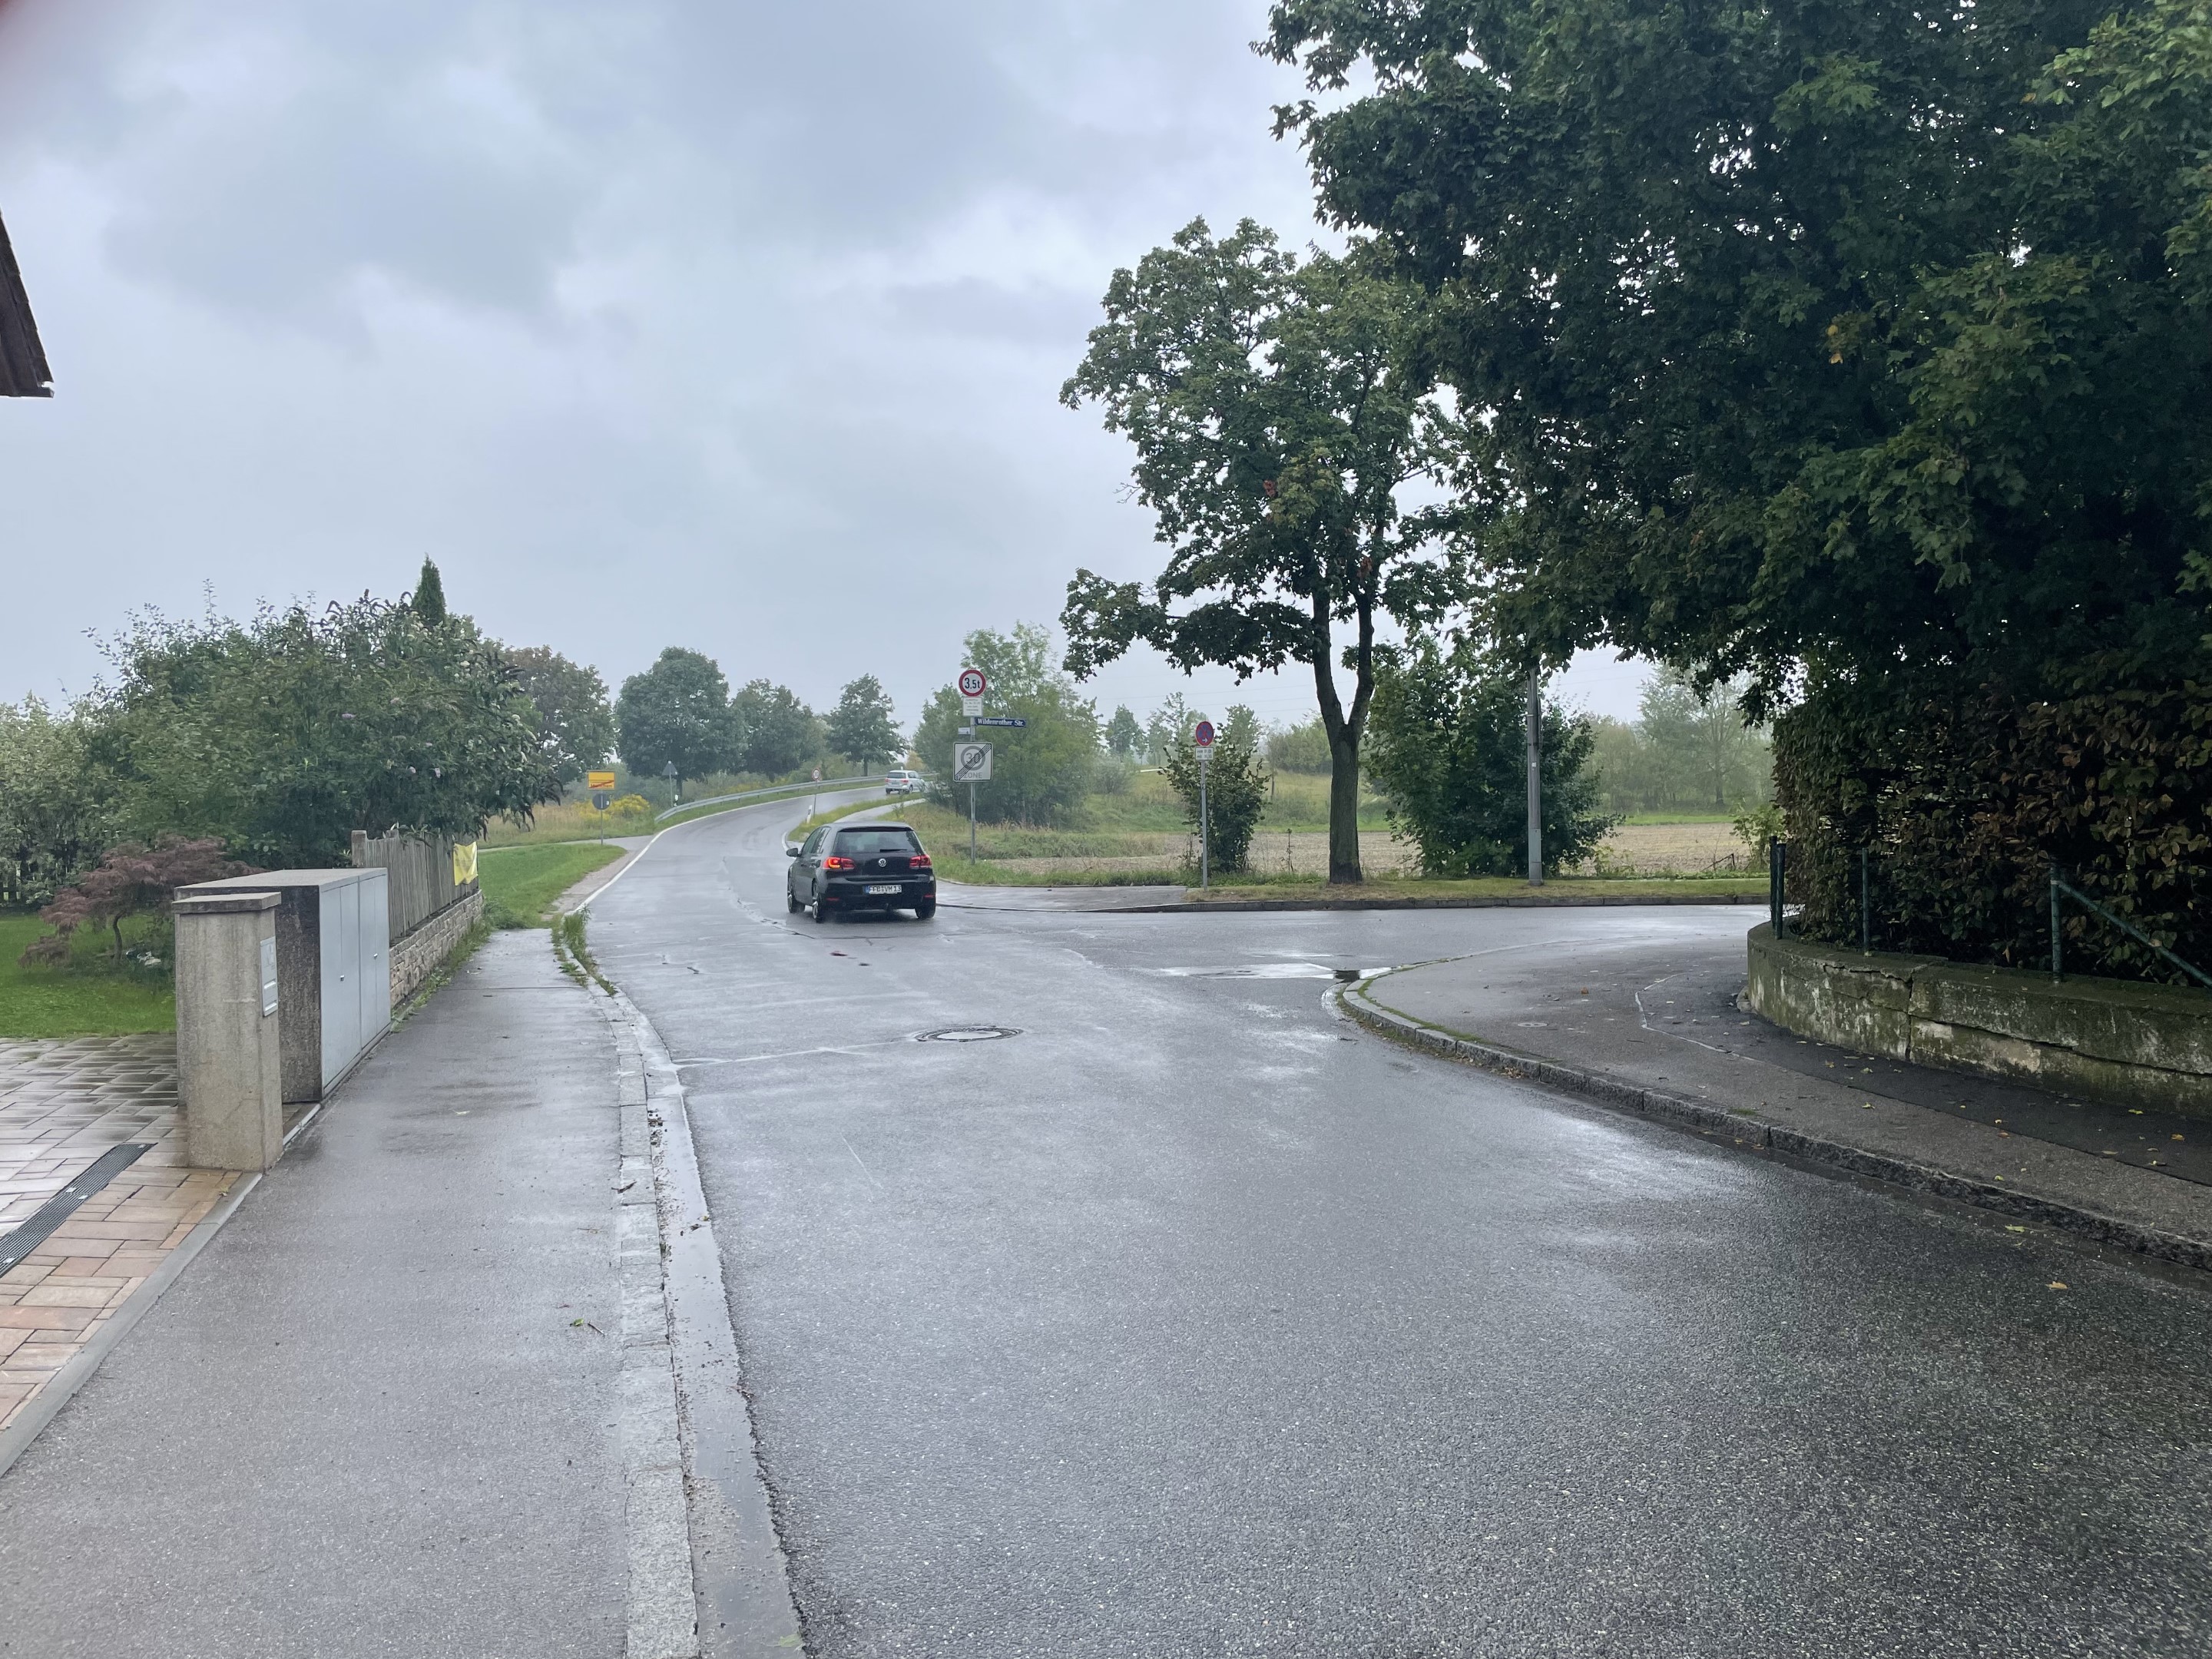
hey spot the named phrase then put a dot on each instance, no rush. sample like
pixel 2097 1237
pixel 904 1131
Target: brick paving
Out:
pixel 63 1102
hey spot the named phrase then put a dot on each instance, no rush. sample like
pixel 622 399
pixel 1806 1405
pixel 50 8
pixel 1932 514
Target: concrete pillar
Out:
pixel 229 1064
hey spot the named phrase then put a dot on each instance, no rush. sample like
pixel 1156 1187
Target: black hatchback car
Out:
pixel 860 866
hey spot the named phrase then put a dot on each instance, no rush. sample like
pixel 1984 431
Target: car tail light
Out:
pixel 919 862
pixel 833 862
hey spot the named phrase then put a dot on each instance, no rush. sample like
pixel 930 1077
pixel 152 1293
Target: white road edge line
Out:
pixel 707 1577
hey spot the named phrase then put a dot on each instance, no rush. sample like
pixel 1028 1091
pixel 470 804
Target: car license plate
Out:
pixel 893 888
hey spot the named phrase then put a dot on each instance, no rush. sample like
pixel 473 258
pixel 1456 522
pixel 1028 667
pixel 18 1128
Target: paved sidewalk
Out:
pixel 381 1412
pixel 63 1103
pixel 1637 1015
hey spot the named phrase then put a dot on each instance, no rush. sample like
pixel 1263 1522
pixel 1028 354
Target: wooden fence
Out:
pixel 421 875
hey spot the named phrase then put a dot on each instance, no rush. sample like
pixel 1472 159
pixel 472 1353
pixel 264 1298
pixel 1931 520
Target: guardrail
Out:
pixel 755 794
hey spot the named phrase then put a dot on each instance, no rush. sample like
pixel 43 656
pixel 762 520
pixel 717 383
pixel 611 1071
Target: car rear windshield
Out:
pixel 866 844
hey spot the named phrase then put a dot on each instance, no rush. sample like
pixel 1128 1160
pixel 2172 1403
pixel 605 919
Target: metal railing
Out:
pixel 2061 889
pixel 1777 857
pixel 771 789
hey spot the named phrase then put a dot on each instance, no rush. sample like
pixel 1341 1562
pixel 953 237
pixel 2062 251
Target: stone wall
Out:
pixel 2102 1039
pixel 416 956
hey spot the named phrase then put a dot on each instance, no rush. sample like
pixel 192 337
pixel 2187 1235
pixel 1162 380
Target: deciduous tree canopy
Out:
pixel 1855 346
pixel 1276 412
pixel 574 720
pixel 677 713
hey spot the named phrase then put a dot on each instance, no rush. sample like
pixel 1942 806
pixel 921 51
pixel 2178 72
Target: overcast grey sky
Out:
pixel 737 326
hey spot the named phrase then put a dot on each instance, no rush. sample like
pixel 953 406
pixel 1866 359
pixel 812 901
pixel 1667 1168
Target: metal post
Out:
pixel 971 822
pixel 1205 838
pixel 1866 911
pixel 1536 776
pixel 2057 945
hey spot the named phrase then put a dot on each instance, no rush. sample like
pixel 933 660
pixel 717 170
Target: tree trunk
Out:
pixel 1343 811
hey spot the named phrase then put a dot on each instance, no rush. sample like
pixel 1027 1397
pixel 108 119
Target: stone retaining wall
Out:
pixel 2102 1039
pixel 416 956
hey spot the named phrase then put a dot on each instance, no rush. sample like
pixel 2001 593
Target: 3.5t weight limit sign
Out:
pixel 973 685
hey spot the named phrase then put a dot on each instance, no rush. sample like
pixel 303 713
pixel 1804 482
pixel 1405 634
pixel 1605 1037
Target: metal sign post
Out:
pixel 1536 777
pixel 971 765
pixel 1203 739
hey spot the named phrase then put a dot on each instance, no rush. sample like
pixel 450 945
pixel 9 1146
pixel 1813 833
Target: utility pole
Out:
pixel 1536 775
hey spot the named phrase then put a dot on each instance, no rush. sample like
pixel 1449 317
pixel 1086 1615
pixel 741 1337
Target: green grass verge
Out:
pixel 1723 889
pixel 87 998
pixel 518 885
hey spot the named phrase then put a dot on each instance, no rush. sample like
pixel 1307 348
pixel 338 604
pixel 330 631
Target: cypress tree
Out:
pixel 429 600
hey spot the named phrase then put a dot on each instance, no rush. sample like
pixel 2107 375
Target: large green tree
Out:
pixel 283 735
pixel 1277 411
pixel 677 713
pixel 574 720
pixel 860 727
pixel 781 732
pixel 1041 774
pixel 1856 347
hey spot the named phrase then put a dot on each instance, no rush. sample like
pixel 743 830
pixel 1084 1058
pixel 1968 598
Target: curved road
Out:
pixel 1192 1319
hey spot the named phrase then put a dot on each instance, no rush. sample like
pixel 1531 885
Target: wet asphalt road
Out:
pixel 1194 1321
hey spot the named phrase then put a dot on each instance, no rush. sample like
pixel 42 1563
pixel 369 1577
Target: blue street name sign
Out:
pixel 998 720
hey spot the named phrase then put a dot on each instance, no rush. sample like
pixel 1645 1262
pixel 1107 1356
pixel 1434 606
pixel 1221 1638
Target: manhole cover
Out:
pixel 969 1034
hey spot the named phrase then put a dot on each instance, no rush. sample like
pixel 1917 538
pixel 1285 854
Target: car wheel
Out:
pixel 820 910
pixel 925 910
pixel 791 900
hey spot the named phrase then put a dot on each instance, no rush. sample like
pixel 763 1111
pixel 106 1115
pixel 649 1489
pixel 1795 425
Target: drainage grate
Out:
pixel 39 1225
pixel 969 1034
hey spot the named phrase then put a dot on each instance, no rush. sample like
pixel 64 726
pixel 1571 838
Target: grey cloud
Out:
pixel 636 317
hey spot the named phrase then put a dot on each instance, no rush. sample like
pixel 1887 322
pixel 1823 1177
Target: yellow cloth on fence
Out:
pixel 465 862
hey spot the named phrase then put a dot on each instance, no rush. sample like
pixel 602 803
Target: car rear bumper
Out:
pixel 854 895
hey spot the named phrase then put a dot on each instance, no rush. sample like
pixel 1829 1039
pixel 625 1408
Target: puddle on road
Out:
pixel 1254 970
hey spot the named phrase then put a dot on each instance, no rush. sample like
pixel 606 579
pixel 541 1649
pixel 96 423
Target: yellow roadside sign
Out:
pixel 597 780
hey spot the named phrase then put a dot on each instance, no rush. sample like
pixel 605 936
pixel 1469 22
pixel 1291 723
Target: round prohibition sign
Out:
pixel 972 683
pixel 1204 736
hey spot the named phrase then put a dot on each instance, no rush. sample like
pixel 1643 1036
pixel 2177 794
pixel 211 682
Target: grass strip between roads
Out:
pixel 944 834
pixel 520 884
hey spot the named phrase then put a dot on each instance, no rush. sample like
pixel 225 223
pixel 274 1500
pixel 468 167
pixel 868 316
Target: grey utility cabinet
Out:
pixel 333 969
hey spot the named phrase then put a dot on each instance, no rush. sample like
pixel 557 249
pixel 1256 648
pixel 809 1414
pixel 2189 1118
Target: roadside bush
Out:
pixel 1448 745
pixel 1236 795
pixel 130 881
pixel 1299 748
pixel 283 735
pixel 58 803
pixel 1966 803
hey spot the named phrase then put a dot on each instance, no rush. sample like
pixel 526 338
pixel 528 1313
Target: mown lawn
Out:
pixel 520 882
pixel 1684 889
pixel 88 998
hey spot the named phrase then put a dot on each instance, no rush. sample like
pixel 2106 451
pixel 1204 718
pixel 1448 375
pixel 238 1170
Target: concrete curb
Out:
pixel 1745 1129
pixel 707 1578
pixel 118 1325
